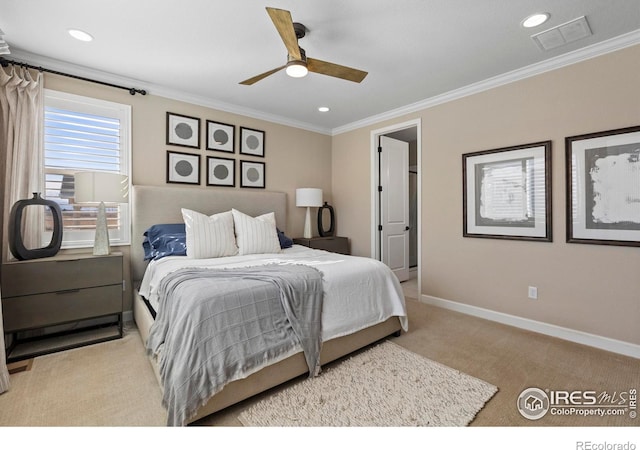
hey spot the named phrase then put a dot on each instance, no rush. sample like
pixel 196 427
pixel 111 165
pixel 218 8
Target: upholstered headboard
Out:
pixel 162 204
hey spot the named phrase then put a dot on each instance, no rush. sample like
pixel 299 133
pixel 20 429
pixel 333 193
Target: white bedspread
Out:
pixel 359 292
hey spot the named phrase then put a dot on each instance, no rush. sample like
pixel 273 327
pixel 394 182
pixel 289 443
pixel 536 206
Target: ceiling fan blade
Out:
pixel 257 78
pixel 284 24
pixel 335 70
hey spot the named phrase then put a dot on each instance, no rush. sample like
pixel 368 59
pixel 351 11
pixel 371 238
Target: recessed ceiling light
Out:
pixel 323 109
pixel 80 35
pixel 535 19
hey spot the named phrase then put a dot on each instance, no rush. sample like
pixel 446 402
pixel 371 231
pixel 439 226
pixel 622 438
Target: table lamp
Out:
pixel 101 187
pixel 308 197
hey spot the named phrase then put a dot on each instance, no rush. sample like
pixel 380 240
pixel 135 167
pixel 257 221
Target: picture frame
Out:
pixel 507 193
pixel 252 174
pixel 252 142
pixel 183 131
pixel 220 136
pixel 221 171
pixel 603 187
pixel 183 168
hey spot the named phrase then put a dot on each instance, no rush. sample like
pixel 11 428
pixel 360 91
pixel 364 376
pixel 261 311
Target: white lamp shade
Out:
pixel 309 197
pixel 101 187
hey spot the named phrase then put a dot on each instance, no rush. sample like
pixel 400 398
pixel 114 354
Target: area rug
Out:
pixel 385 385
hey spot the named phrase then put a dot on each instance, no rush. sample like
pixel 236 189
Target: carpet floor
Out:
pixel 112 383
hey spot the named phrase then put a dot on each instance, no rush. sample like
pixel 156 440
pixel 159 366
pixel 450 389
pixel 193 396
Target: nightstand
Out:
pixel 335 244
pixel 61 302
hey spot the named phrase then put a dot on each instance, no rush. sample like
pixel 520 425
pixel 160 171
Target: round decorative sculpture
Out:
pixel 16 244
pixel 332 226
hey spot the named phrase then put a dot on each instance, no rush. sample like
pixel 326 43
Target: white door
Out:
pixel 394 205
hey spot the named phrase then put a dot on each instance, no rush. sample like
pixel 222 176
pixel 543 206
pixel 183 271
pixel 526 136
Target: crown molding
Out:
pixel 161 91
pixel 583 54
pixel 592 51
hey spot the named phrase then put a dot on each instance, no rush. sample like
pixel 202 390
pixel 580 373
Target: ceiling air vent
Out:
pixel 563 34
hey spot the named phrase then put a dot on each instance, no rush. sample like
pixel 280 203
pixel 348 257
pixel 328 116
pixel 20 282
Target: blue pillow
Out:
pixel 165 240
pixel 285 242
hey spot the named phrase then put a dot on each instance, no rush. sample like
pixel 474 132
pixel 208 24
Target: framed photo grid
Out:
pixel 603 187
pixel 221 171
pixel 251 142
pixel 507 193
pixel 183 130
pixel 183 168
pixel 220 136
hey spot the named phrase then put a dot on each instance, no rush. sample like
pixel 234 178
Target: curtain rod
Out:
pixel 133 91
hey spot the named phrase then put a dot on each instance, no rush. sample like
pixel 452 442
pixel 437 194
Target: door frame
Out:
pixel 375 171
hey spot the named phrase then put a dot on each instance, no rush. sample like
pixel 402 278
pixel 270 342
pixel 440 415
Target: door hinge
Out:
pixel 379 149
pixel 379 188
pixel 379 227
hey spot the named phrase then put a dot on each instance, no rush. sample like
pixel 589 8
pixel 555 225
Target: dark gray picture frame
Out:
pixel 253 174
pixel 252 142
pixel 602 186
pixel 183 131
pixel 221 171
pixel 506 193
pixel 183 168
pixel 221 136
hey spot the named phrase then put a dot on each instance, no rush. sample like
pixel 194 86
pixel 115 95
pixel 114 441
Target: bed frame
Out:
pixel 162 204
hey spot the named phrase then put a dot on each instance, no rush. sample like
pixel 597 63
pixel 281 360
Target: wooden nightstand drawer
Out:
pixel 335 244
pixel 34 311
pixel 59 274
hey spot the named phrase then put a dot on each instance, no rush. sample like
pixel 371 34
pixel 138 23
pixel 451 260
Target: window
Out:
pixel 84 134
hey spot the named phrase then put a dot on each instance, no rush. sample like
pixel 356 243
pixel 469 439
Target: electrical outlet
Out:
pixel 533 292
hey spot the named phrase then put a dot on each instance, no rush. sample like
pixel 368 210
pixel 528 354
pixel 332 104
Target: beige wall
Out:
pixel 591 288
pixel 294 158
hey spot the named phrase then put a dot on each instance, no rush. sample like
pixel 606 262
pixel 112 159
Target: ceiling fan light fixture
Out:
pixel 297 69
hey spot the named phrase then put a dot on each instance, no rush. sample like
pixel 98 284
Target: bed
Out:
pixel 363 300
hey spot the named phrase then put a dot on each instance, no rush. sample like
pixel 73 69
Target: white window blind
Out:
pixel 84 134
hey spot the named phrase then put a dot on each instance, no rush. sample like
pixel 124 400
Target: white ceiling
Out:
pixel 199 50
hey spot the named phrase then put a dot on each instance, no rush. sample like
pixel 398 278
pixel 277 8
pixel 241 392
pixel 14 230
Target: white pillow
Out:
pixel 256 234
pixel 209 236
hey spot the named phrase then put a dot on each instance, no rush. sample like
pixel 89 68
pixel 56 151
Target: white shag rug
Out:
pixel 385 385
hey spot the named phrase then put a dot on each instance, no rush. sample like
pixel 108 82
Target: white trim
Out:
pixel 161 91
pixel 417 123
pixel 580 337
pixel 583 54
pixel 592 51
pixel 121 112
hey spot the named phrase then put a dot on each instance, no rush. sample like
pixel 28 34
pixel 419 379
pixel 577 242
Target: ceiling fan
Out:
pixel 297 62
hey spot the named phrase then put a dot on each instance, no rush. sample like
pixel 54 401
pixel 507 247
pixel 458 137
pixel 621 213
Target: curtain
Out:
pixel 4 373
pixel 21 121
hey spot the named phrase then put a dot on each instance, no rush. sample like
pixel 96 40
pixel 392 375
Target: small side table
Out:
pixel 335 244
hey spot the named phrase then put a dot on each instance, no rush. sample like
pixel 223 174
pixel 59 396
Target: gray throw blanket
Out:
pixel 217 326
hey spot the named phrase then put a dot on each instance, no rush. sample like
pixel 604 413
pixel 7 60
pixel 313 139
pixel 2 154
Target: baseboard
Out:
pixel 580 337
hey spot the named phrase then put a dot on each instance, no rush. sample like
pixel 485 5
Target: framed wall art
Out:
pixel 183 130
pixel 183 168
pixel 220 136
pixel 251 142
pixel 603 187
pixel 252 174
pixel 506 193
pixel 221 171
